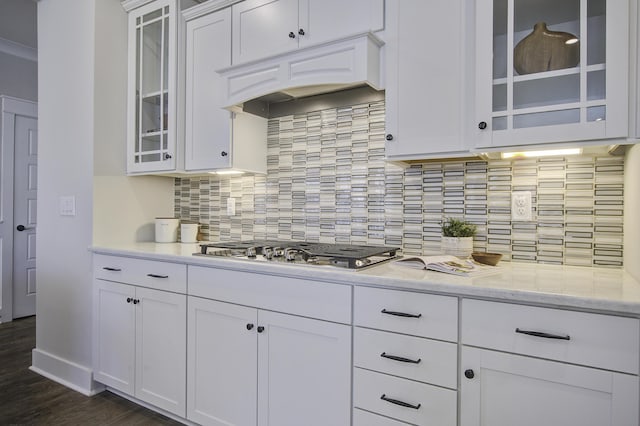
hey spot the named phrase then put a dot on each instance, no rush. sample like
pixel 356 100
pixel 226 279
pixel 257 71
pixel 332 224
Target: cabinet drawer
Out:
pixel 145 273
pixel 365 418
pixel 314 299
pixel 431 405
pixel 418 314
pixel 596 340
pixel 424 360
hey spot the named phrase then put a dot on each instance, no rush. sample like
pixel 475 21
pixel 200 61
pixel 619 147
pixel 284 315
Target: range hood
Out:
pixel 320 69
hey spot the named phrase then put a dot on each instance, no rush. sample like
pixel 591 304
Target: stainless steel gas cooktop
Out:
pixel 295 252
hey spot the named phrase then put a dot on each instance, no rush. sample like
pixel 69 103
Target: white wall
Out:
pixel 124 207
pixel 631 212
pixel 82 126
pixel 65 167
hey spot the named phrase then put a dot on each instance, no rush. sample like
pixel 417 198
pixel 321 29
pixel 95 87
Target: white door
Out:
pixel 18 173
pixel 161 359
pixel 24 217
pixel 263 28
pixel 222 363
pixel 304 371
pixel 114 335
pixel 208 125
pixel 500 389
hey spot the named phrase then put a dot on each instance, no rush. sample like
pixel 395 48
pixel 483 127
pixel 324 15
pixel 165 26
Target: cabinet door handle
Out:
pixel 543 334
pixel 401 314
pixel 108 268
pixel 157 276
pixel 249 326
pixel 401 359
pixel 167 156
pixel 260 329
pixel 136 301
pixel 400 403
pixel 301 31
pixel 292 35
pixel 129 300
pixel 223 154
pixel 389 137
pixel 482 125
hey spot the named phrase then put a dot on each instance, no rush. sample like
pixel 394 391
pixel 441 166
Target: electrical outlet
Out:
pixel 521 205
pixel 231 206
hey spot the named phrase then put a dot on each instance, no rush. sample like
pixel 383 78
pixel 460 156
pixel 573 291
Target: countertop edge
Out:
pixel 428 283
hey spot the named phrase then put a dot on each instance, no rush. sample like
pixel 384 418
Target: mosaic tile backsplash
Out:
pixel 327 181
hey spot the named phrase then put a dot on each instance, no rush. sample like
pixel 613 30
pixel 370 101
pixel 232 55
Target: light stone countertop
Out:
pixel 582 288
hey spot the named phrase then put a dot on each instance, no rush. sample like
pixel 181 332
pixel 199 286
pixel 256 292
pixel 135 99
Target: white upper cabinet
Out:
pixel 151 128
pixel 215 138
pixel 263 28
pixel 425 82
pixel 568 81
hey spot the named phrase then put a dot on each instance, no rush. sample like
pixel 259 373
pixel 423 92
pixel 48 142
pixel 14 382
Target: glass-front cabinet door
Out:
pixel 551 71
pixel 152 63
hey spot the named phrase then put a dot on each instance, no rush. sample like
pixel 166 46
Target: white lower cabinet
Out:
pixel 249 366
pixel 500 387
pixel 139 346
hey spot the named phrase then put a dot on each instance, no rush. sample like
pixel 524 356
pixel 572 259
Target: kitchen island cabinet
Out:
pixel 140 332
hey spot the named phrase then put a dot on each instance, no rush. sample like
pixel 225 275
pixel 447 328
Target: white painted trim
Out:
pixel 67 373
pixel 207 7
pixel 20 50
pixel 129 5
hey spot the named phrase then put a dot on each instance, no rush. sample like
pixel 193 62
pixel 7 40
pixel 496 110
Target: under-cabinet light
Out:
pixel 227 172
pixel 545 153
pixel 571 41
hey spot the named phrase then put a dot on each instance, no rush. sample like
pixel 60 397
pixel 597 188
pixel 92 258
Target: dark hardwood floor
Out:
pixel 26 398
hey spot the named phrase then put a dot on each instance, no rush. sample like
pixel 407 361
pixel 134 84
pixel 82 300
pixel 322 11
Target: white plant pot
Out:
pixel 457 246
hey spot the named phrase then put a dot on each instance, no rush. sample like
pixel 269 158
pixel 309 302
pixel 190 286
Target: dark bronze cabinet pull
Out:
pixel 543 334
pixel 107 268
pixel 401 359
pixel 400 403
pixel 401 314
pixel 157 276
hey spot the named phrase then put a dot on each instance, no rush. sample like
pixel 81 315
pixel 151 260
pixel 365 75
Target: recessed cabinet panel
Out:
pixel 559 71
pixel 501 389
pixel 208 126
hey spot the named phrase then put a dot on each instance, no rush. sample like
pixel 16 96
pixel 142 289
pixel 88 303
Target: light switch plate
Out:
pixel 231 206
pixel 67 205
pixel 521 205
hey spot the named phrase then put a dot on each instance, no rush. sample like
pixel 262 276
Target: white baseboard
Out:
pixel 67 373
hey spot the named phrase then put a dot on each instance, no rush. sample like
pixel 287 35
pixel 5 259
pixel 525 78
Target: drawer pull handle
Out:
pixel 401 314
pixel 107 268
pixel 398 402
pixel 157 276
pixel 401 359
pixel 542 334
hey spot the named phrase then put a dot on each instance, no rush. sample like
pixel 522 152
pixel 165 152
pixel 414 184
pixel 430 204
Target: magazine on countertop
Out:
pixel 449 265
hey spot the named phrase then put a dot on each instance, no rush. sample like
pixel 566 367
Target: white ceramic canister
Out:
pixel 189 232
pixel 167 229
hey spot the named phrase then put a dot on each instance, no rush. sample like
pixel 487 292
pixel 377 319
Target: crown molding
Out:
pixel 20 50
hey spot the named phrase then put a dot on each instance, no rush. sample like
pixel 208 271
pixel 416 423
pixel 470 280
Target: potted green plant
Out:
pixel 457 237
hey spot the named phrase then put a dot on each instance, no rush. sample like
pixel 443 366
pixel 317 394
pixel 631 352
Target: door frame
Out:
pixel 10 108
